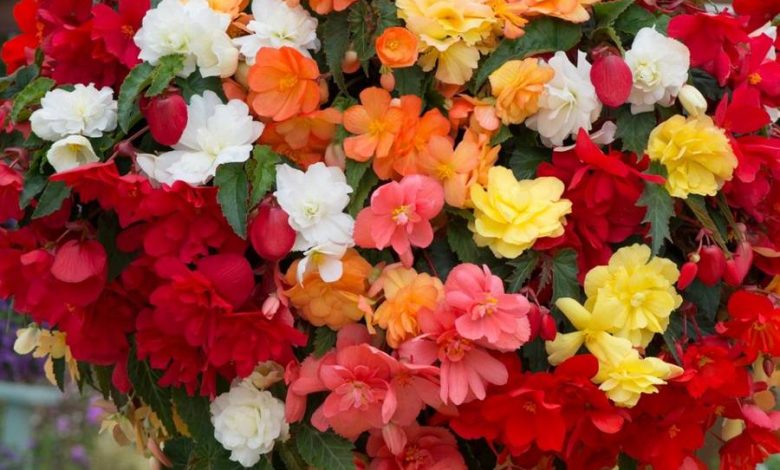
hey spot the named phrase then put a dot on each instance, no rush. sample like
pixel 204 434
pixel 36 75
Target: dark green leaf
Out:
pixel 355 171
pixel 633 19
pixel 30 96
pixel 34 183
pixel 139 78
pixel 523 161
pixel 103 375
pixel 335 42
pixel 626 463
pixel 536 355
pixel 360 193
pixel 178 452
pixel 543 34
pixel 501 136
pixel 634 129
pixel 660 208
pixel 698 206
pixel 233 195
pixel 706 298
pixel 165 71
pixel 108 230
pixel 144 380
pixel 196 84
pixel 410 80
pixel 671 345
pixel 607 12
pixel 707 85
pixel 59 366
pixel 51 199
pixel 386 13
pixel 461 241
pixel 194 411
pixel 440 256
pixel 324 340
pixel 262 172
pixel 564 275
pixel 291 457
pixel 361 26
pixel 324 450
pixel 523 266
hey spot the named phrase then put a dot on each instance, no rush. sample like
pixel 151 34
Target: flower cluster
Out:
pixel 411 234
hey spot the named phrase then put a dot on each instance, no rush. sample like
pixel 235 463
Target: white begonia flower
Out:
pixel 248 422
pixel 659 65
pixel 190 28
pixel 216 133
pixel 315 201
pixel 276 25
pixel 326 259
pixel 85 110
pixel 71 152
pixel 569 102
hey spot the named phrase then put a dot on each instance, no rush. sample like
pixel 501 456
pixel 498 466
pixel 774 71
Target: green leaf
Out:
pixel 386 13
pixel 139 78
pixel 108 229
pixel 233 195
pixel 196 84
pixel 634 129
pixel 361 27
pixel 324 340
pixel 707 85
pixel 626 463
pixel 31 95
pixel 194 411
pixel 366 183
pixel 34 183
pixel 324 450
pixel 698 206
pixel 523 161
pixel 501 136
pixel 660 208
pixel 461 241
pixel 706 298
pixel 103 375
pixel 335 42
pixel 355 171
pixel 633 19
pixel 543 34
pixel 262 172
pixel 410 81
pixel 51 199
pixel 291 457
pixel 178 451
pixel 564 275
pixel 58 366
pixel 165 71
pixel 607 12
pixel 144 380
pixel 523 266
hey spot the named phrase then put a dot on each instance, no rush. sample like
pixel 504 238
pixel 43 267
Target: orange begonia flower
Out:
pixel 480 116
pixel 453 167
pixel 323 7
pixel 412 140
pixel 397 47
pixel 569 10
pixel 375 121
pixel 284 83
pixel 510 12
pixel 303 138
pixel 407 293
pixel 517 85
pixel 231 7
pixel 334 304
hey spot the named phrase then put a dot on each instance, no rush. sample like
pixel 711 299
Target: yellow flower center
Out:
pixel 376 127
pixel 393 44
pixel 754 78
pixel 445 171
pixel 288 82
pixel 638 299
pixel 401 215
pixel 529 407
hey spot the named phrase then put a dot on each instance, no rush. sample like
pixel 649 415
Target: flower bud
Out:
pixel 548 329
pixel 711 265
pixel 769 366
pixel 242 74
pixel 350 63
pixel 687 275
pixel 270 232
pixel 26 340
pixel 167 117
pixel 387 80
pixel 739 265
pixel 612 79
pixel 334 156
pixel 534 321
pixel 692 100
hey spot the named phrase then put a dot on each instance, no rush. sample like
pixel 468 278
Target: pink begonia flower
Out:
pixel 466 368
pixel 425 448
pixel 488 315
pixel 399 216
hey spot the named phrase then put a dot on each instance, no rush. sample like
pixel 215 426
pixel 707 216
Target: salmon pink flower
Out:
pixel 283 83
pixel 375 121
pixel 453 167
pixel 428 447
pixel 399 216
pixel 488 315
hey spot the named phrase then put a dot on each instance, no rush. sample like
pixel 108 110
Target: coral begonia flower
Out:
pixel 284 83
pixel 397 47
pixel 569 10
pixel 400 215
pixel 452 167
pixel 376 123
pixel 323 7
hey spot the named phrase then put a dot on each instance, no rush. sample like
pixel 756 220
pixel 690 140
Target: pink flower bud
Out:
pixel 270 232
pixel 687 275
pixel 739 265
pixel 711 265
pixel 167 117
pixel 612 79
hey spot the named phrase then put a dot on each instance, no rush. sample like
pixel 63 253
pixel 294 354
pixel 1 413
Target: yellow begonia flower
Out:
pixel 591 332
pixel 510 215
pixel 624 381
pixel 52 345
pixel 637 292
pixel 517 86
pixel 696 153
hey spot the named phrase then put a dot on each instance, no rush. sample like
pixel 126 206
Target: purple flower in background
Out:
pixel 78 454
pixel 13 367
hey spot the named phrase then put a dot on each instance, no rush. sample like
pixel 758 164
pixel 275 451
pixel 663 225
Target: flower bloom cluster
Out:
pixel 401 235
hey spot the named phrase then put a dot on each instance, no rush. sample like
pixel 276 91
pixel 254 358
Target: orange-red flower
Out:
pixel 375 121
pixel 397 47
pixel 412 141
pixel 323 7
pixel 453 167
pixel 303 138
pixel 283 83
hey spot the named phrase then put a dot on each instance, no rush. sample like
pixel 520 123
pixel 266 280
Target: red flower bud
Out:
pixel 167 117
pixel 534 321
pixel 739 265
pixel 612 79
pixel 270 232
pixel 231 275
pixel 769 366
pixel 711 265
pixel 687 275
pixel 77 261
pixel 548 329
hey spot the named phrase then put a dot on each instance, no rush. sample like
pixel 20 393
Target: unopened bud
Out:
pixel 692 100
